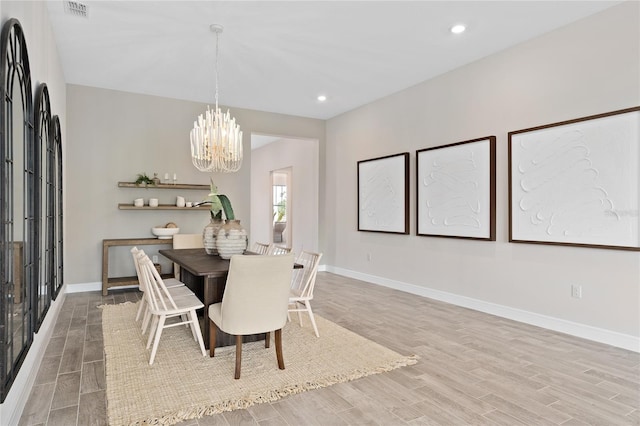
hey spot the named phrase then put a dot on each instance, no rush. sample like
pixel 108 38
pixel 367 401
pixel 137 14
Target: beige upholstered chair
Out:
pixel 182 241
pixel 254 301
pixel 260 248
pixel 302 284
pixel 162 306
pixel 275 250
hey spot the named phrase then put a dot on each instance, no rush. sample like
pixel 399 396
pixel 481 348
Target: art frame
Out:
pixel 577 182
pixel 456 190
pixel 383 194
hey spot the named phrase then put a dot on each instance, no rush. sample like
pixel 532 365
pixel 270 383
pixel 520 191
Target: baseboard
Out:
pixel 584 331
pixel 84 287
pixel 13 405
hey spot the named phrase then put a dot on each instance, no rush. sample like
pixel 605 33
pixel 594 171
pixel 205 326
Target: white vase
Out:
pixel 231 239
pixel 209 235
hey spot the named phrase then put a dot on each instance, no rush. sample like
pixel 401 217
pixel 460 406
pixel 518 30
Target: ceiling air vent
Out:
pixel 76 8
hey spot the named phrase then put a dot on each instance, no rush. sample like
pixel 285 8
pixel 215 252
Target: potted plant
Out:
pixel 144 179
pixel 224 239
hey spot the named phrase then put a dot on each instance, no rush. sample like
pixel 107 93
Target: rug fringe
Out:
pixel 273 395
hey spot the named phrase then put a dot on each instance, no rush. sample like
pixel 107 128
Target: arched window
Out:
pixel 18 204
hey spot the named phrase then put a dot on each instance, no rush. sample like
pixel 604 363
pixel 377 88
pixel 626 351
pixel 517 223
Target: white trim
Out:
pixel 84 287
pixel 13 405
pixel 584 331
pixel 95 286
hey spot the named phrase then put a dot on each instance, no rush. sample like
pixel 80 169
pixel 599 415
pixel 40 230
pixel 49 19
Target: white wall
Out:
pixel 302 156
pixel 589 67
pixel 115 135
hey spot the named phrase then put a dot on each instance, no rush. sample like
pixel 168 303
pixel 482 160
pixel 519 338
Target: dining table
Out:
pixel 206 276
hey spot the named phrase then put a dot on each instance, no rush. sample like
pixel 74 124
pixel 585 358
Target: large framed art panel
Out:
pixel 383 194
pixel 455 186
pixel 577 182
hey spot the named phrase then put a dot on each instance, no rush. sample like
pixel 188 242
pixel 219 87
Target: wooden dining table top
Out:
pixel 201 264
pixel 198 262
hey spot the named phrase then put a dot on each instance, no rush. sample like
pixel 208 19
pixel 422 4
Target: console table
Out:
pixel 107 282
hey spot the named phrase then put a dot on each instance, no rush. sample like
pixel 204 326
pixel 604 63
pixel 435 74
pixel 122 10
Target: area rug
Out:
pixel 182 384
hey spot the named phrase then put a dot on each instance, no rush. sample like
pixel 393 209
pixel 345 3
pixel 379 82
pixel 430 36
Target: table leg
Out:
pixel 213 292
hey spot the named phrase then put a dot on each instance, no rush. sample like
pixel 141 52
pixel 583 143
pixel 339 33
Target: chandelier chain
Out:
pixel 216 67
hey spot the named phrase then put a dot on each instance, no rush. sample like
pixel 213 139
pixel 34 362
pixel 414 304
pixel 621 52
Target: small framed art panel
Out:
pixel 577 182
pixel 383 194
pixel 455 186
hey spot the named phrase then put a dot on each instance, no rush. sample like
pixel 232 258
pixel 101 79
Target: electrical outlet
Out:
pixel 155 259
pixel 576 291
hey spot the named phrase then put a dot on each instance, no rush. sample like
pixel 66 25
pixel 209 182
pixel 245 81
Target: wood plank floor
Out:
pixel 474 369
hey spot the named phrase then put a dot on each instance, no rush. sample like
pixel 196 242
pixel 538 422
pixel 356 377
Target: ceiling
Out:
pixel 279 56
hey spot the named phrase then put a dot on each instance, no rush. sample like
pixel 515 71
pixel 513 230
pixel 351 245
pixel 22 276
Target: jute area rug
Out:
pixel 182 384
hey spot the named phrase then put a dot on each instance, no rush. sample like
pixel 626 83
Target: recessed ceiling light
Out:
pixel 322 98
pixel 457 29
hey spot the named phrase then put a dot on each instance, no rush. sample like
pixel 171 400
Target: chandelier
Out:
pixel 216 139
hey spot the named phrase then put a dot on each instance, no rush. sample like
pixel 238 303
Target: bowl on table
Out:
pixel 164 233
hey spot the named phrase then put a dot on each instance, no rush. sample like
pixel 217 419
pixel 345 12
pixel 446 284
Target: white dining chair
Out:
pixel 177 288
pixel 275 250
pixel 302 285
pixel 163 306
pixel 254 301
pixel 183 241
pixel 260 248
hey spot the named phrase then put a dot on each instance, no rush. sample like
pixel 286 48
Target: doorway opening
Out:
pixel 292 165
pixel 281 202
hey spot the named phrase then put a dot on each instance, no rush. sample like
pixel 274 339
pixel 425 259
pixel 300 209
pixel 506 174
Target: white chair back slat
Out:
pixel 156 285
pixel 260 248
pixel 150 296
pixel 134 253
pixel 275 250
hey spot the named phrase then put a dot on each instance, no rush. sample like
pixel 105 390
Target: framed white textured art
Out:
pixel 383 194
pixel 577 182
pixel 455 186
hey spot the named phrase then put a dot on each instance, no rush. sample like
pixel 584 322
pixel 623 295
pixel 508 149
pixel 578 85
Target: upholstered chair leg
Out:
pixel 267 339
pixel 279 349
pixel 212 338
pixel 238 356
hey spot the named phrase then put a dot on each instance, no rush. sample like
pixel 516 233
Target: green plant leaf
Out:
pixel 226 206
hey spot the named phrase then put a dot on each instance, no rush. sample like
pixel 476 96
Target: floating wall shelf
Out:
pixel 123 206
pixel 165 186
